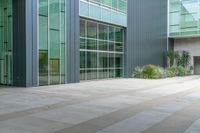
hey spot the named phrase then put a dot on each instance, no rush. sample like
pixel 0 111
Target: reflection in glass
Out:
pixel 52 54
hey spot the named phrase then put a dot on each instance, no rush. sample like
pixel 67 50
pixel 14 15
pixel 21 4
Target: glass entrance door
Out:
pixel 6 75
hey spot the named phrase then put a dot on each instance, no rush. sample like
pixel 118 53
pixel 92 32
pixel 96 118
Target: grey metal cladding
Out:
pixel 24 44
pixel 73 33
pixel 146 34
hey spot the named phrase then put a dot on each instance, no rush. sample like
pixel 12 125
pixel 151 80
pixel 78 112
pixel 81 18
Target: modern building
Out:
pixel 184 28
pixel 47 42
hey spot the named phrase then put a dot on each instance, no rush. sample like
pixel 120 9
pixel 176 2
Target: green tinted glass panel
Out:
pixel 184 18
pixel 6 42
pixel 43 67
pixel 52 46
pixel 43 30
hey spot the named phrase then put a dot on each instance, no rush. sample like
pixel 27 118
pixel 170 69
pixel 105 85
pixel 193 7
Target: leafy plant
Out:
pixel 181 71
pixel 151 72
pixel 177 58
pixel 172 71
pixel 170 57
pixel 138 73
pixel 185 59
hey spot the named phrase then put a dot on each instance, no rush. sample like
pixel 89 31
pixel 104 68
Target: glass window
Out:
pixel 43 30
pixel 118 60
pixel 43 67
pixel 103 32
pixel 119 47
pixel 82 28
pixel 91 30
pixel 82 59
pixel 91 74
pixel 118 35
pixel 54 14
pixel 111 33
pixel 103 45
pixel 91 44
pixel 83 43
pixel 6 42
pixel 54 71
pixel 91 60
pixel 101 53
pixel 103 60
pixel 52 46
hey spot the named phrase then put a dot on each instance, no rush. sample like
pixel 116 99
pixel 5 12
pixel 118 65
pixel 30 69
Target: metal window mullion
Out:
pixel 97 50
pixel 60 11
pixel 48 32
pixel 114 55
pixel 86 48
pixel 108 54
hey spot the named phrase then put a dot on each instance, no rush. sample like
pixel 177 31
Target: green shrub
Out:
pixel 138 73
pixel 163 72
pixel 181 71
pixel 189 70
pixel 151 72
pixel 172 71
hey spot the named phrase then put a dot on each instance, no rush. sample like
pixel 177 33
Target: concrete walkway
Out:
pixel 110 106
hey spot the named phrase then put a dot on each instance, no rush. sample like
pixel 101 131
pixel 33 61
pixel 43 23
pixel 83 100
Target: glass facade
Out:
pixel 101 50
pixel 119 5
pixel 6 72
pixel 111 11
pixel 184 18
pixel 52 44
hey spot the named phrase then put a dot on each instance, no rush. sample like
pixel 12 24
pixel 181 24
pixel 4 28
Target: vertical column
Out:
pixel 73 45
pixel 24 43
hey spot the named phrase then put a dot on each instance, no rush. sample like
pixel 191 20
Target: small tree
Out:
pixel 177 58
pixel 170 58
pixel 185 59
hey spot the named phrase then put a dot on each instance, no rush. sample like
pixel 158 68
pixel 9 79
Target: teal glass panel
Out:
pixel 54 14
pixel 184 19
pixel 111 11
pixel 43 8
pixel 43 33
pixel 52 42
pixel 6 42
pixel 84 8
pixel 95 12
pixel 106 15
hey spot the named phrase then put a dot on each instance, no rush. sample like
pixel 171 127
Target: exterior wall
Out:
pixel 146 34
pixel 73 42
pixel 105 11
pixel 192 45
